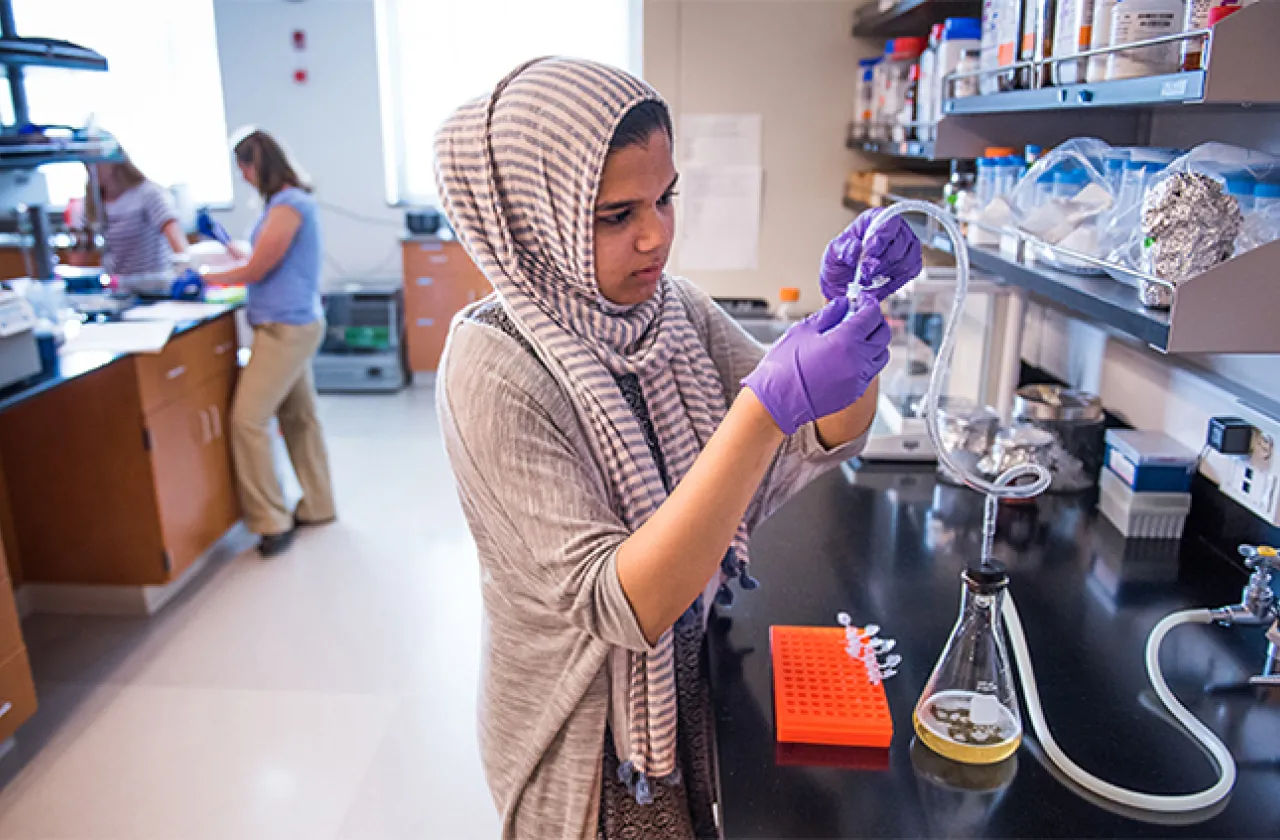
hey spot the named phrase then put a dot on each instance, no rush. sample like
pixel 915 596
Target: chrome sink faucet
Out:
pixel 1257 607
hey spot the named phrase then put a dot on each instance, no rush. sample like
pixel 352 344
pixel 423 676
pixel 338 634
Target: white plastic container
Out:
pixel 970 61
pixel 1141 20
pixel 895 73
pixel 1001 34
pixel 1155 516
pixel 864 98
pixel 1072 33
pixel 927 90
pixel 1100 36
pixel 989 50
pixel 958 36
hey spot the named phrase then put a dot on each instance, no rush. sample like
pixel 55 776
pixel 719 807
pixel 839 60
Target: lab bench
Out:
pixel 887 543
pixel 116 467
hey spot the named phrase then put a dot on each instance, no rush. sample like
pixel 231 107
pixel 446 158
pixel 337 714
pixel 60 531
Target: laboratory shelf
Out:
pixel 1170 89
pixel 1228 309
pixel 910 17
pixel 912 149
pixel 49 52
pixel 1241 67
pixel 29 155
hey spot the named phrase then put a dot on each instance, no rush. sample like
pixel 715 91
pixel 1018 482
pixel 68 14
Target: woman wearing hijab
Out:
pixel 615 438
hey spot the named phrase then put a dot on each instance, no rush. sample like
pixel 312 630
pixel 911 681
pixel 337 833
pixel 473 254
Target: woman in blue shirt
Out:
pixel 282 277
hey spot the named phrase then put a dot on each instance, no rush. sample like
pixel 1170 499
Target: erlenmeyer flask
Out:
pixel 969 711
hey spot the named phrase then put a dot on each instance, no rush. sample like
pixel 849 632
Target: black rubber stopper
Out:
pixel 987 576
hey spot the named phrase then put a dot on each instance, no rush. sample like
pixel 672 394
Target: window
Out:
pixel 435 54
pixel 161 96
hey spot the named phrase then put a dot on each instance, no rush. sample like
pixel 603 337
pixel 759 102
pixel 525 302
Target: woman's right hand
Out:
pixel 823 364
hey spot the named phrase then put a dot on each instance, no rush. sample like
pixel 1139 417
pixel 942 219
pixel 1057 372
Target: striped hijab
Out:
pixel 518 171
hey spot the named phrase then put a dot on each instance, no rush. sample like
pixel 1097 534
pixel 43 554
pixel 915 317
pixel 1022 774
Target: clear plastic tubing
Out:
pixel 1004 488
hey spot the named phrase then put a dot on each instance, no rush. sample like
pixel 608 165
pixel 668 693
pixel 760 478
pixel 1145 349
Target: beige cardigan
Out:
pixel 539 511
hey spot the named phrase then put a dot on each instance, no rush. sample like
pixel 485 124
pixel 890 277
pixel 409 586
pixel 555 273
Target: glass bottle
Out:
pixel 969 710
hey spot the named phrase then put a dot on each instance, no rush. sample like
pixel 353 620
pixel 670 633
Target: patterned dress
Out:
pixel 682 808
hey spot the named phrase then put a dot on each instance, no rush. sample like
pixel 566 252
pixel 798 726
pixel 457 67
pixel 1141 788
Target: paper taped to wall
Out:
pixel 721 186
pixel 720 139
pixel 720 218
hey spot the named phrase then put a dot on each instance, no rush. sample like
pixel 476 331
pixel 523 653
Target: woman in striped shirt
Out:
pixel 142 234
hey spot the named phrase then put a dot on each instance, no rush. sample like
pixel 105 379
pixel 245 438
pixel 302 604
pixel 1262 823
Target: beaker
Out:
pixel 969 711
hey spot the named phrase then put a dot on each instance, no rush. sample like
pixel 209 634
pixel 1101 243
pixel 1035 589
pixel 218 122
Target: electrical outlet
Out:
pixel 1252 481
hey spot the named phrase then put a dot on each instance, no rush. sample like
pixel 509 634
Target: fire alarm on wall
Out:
pixel 300 76
pixel 299 39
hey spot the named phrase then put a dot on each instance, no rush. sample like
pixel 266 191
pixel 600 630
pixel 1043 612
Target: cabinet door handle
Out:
pixel 206 434
pixel 222 348
pixel 425 281
pixel 174 373
pixel 216 414
pixel 438 258
pixel 426 322
pixel 6 708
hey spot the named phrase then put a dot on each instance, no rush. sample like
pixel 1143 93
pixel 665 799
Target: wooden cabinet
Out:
pixel 191 468
pixel 17 688
pixel 123 475
pixel 439 279
pixel 186 361
pixel 17 693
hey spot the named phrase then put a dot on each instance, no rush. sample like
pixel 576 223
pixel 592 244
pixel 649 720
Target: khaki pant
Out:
pixel 278 383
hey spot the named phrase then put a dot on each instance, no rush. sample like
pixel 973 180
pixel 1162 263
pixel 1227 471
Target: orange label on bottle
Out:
pixel 1028 43
pixel 1086 36
pixel 1006 54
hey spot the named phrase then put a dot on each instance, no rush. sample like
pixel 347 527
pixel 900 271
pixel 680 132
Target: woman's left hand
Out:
pixel 893 252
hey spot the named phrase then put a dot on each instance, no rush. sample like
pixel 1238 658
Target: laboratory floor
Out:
pixel 327 693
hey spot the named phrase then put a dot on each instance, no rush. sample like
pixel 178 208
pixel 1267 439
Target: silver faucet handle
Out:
pixel 1260 557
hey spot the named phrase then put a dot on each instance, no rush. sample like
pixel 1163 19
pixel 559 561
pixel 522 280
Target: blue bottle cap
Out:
pixel 869 62
pixel 962 29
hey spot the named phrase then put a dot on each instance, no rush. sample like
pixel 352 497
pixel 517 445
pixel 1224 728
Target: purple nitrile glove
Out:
pixel 823 364
pixel 892 252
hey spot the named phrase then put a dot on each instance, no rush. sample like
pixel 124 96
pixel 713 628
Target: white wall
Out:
pixel 794 62
pixel 331 124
